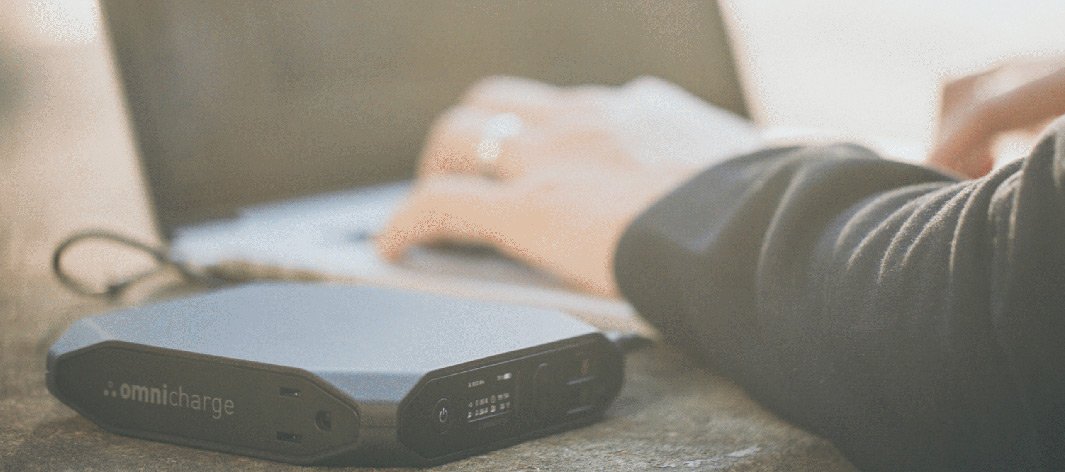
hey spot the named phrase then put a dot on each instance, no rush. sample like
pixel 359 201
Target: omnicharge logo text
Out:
pixel 175 398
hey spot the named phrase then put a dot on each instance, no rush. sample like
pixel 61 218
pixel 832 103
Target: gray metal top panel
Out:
pixel 323 328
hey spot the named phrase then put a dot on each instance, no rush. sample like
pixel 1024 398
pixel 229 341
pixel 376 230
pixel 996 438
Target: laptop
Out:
pixel 276 137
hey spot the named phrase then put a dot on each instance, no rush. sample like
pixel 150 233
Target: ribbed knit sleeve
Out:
pixel 916 321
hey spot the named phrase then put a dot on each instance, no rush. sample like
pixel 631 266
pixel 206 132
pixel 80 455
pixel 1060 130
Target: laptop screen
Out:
pixel 240 103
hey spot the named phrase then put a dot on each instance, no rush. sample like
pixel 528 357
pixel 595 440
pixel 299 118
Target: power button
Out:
pixel 442 415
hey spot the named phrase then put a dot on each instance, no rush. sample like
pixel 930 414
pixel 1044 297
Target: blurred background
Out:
pixel 856 69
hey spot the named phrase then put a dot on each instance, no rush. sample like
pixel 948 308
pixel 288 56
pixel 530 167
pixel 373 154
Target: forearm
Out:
pixel 866 300
pixel 1027 106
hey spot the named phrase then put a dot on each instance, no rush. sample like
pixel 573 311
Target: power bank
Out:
pixel 309 373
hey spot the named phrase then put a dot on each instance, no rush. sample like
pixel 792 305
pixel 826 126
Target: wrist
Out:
pixel 986 120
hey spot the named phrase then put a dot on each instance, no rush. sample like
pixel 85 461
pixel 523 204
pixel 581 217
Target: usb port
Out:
pixel 288 437
pixel 289 392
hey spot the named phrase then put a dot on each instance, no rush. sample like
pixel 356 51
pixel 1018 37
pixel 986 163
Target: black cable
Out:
pixel 116 289
pixel 625 342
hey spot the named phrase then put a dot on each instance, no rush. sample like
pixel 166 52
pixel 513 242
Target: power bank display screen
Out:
pixel 489 396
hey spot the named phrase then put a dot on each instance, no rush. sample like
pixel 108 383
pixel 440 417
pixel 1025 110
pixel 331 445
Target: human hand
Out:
pixel 647 123
pixel 585 162
pixel 979 108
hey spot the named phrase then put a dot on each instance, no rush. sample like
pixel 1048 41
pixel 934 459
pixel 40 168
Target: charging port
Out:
pixel 288 437
pixel 289 392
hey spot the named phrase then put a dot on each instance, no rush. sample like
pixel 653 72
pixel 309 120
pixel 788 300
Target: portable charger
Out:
pixel 310 373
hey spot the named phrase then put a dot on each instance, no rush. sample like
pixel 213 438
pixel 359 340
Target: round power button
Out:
pixel 442 415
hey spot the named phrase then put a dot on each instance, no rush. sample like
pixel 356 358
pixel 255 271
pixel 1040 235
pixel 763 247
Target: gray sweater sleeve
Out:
pixel 916 321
